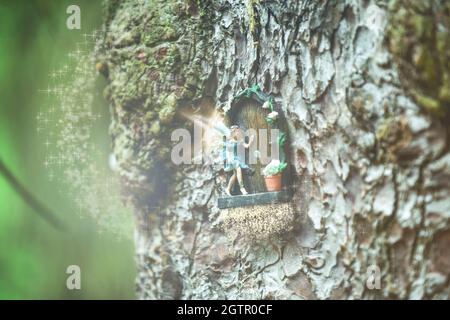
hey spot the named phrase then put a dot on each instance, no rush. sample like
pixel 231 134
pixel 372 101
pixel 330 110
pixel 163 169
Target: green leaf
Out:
pixel 282 139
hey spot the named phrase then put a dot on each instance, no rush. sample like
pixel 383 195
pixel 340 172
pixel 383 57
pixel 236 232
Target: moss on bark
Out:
pixel 419 37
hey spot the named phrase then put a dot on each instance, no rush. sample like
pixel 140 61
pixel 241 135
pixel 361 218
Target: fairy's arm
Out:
pixel 246 145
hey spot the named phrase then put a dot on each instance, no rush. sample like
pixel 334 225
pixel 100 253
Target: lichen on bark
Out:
pixel 371 168
pixel 152 56
pixel 419 38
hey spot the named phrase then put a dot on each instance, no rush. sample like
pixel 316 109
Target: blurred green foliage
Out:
pixel 33 255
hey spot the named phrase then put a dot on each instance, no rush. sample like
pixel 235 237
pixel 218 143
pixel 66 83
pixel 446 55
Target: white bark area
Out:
pixel 373 168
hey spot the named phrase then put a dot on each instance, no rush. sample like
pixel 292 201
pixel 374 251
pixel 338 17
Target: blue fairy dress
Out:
pixel 232 159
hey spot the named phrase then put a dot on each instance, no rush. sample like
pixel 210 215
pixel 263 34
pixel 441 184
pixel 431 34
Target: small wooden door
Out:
pixel 248 114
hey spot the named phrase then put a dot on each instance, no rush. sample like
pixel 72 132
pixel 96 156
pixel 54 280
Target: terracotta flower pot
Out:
pixel 273 183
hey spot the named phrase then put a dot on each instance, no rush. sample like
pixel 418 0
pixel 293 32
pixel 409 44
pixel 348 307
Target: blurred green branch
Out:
pixel 26 195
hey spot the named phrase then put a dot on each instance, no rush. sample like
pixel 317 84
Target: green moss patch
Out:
pixel 418 36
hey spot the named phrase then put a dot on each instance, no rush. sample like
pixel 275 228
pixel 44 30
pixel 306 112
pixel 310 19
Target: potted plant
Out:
pixel 272 174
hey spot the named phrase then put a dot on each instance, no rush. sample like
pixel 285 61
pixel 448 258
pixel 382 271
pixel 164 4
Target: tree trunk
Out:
pixel 365 88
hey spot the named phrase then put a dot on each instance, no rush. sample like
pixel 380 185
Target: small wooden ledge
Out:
pixel 254 199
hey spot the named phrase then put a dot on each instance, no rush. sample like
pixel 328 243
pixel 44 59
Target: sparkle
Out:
pixel 71 157
pixel 60 73
pixel 54 74
pixel 48 91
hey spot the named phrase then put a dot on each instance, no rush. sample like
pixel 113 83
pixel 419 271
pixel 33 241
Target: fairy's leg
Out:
pixel 231 183
pixel 241 182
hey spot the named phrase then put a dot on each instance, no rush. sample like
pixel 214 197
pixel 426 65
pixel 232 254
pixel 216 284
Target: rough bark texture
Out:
pixel 365 89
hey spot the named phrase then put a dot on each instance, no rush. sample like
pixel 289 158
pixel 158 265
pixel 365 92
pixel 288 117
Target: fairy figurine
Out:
pixel 233 147
pixel 235 160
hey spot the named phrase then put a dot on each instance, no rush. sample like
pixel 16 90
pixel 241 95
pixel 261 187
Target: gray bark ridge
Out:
pixel 372 165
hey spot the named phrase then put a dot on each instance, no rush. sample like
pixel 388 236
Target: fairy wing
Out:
pixel 213 131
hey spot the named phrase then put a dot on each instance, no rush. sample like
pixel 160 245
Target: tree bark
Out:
pixel 365 89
